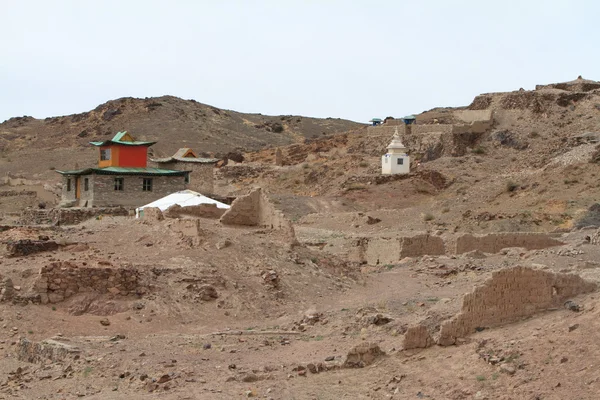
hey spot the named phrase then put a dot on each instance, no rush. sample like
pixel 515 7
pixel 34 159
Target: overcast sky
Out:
pixel 348 59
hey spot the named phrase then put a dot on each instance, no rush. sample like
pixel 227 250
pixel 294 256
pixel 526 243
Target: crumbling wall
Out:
pixel 255 209
pixel 24 247
pixel 47 350
pixel 509 295
pixel 200 211
pixel 417 337
pixel 187 227
pixel 67 216
pixel 61 280
pixel 390 250
pixel 152 214
pixel 494 242
pixel 420 245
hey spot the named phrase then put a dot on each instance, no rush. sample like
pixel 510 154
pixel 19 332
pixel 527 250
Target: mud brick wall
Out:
pixel 200 211
pixel 494 242
pixel 61 280
pixel 255 209
pixel 187 227
pixel 417 337
pixel 388 250
pixel 420 245
pixel 508 296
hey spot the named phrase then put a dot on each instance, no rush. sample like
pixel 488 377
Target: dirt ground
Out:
pixel 229 312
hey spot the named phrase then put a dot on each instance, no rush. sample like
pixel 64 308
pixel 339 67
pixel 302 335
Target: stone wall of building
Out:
pixel 419 245
pixel 61 280
pixel 494 242
pixel 132 194
pixel 255 209
pixel 25 247
pixel 201 177
pixel 67 216
pixel 508 296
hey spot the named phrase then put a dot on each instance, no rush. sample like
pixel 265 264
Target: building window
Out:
pixel 400 161
pixel 68 185
pixel 386 160
pixel 119 184
pixel 104 154
pixel 147 185
pixel 86 184
pixel 186 178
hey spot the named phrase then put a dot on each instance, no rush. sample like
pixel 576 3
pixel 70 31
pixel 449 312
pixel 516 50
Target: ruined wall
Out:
pixel 419 245
pixel 508 296
pixel 388 250
pixel 61 280
pixel 200 211
pixel 67 216
pixel 494 242
pixel 25 247
pixel 187 227
pixel 255 209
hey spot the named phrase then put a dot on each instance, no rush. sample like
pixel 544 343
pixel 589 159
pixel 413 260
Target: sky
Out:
pixel 352 59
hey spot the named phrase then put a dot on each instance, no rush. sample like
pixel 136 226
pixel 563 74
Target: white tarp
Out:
pixel 182 198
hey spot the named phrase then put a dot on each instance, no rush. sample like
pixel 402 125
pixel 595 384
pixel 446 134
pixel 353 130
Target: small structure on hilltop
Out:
pixel 185 159
pixel 122 177
pixel 408 121
pixel 396 160
pixel 376 121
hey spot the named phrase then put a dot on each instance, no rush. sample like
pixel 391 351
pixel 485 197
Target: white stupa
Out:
pixel 396 161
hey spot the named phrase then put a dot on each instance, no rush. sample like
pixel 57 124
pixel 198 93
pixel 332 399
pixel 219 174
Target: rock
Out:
pixel 249 378
pixel 417 337
pixel 564 360
pixel 571 305
pixel 163 379
pixel 573 327
pixel 104 322
pixel 330 358
pixel 362 355
pixel 208 293
pixel 223 243
pixel 206 346
pixel 508 369
pixel 372 220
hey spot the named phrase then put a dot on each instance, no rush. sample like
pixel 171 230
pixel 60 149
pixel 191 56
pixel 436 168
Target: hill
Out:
pixel 171 121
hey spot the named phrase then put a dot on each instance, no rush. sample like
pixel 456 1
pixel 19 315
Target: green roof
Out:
pixel 124 171
pixel 118 139
pixel 376 120
pixel 409 117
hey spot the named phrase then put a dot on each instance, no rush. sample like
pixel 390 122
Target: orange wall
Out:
pixel 133 156
pixel 125 156
pixel 114 157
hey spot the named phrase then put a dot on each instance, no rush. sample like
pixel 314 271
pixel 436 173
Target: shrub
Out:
pixel 478 150
pixel 511 186
pixel 363 164
pixel 428 217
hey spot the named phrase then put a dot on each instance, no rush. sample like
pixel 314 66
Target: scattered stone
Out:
pixel 508 369
pixel 573 327
pixel 206 346
pixel 163 379
pixel 362 355
pixel 104 322
pixel 571 305
pixel 250 378
pixel 223 244
pixel 330 358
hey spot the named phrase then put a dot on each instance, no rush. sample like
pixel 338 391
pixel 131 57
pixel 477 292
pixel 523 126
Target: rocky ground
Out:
pixel 239 312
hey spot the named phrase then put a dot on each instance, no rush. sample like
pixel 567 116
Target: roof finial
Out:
pixel 396 135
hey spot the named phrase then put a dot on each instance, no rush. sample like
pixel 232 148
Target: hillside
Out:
pixel 171 121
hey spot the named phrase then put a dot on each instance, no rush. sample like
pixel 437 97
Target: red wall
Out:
pixel 133 156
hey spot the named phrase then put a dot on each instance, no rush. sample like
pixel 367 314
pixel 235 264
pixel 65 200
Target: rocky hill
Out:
pixel 171 121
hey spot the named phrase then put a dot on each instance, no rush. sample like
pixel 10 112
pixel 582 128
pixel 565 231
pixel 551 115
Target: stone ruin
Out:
pixel 390 250
pixel 61 280
pixel 256 209
pixel 25 247
pixel 494 242
pixel 508 296
pixel 47 350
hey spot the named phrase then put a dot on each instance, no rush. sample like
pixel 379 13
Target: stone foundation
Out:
pixel 68 216
pixel 61 280
pixel 42 352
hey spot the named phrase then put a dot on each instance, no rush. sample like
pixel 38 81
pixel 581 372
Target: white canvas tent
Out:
pixel 182 198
